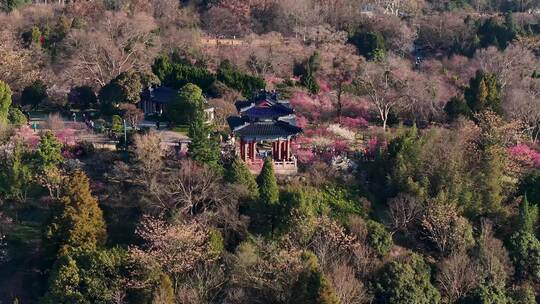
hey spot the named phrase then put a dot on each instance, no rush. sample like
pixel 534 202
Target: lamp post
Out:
pixel 125 134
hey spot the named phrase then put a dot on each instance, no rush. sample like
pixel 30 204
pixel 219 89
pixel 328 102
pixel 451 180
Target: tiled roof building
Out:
pixel 266 126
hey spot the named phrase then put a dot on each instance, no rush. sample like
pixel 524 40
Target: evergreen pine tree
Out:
pixel 49 152
pixel 15 175
pixel 239 173
pixel 528 215
pixel 203 147
pixel 77 223
pixel 267 209
pixel 483 93
pixel 524 243
pixel 5 101
pixel 268 188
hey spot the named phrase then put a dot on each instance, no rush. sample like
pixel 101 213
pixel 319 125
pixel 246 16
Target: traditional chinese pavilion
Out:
pixel 266 127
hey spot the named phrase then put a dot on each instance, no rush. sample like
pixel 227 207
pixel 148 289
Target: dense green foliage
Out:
pixel 483 93
pixel 49 152
pixel 238 80
pixel 312 286
pixel 179 73
pixel 5 101
pixel 378 238
pixel 94 276
pixel 188 103
pixel 34 94
pixel 15 175
pixel 524 243
pixel 126 88
pixel 408 282
pixel 371 45
pixel 307 70
pixel 16 116
pixel 77 222
pixel 268 188
pixel 530 186
pixel 204 146
pixel 82 97
pixel 239 173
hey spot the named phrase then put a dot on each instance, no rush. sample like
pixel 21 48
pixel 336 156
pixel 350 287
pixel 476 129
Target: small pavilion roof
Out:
pixel 266 129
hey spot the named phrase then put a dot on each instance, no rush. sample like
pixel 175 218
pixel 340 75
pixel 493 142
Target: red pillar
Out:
pixel 242 150
pixel 279 150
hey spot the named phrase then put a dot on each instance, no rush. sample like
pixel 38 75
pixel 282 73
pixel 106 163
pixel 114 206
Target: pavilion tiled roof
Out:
pixel 267 129
pixel 274 111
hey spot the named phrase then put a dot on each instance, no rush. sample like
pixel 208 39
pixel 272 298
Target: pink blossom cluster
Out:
pixel 28 136
pixel 66 136
pixel 324 86
pixel 354 123
pixel 374 145
pixel 526 154
pixel 314 108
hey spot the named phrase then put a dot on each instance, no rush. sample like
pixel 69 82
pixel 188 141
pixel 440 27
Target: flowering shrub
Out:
pixel 301 121
pixel 354 123
pixel 526 155
pixel 314 108
pixel 26 135
pixel 374 145
pixel 305 156
pixel 66 136
pixel 341 132
pixel 324 86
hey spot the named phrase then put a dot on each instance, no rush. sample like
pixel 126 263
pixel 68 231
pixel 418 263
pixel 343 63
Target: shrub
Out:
pixel 379 238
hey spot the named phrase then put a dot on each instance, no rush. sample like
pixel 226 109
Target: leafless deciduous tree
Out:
pixel 457 276
pixel 348 288
pixel 381 86
pixel 114 46
pixel 330 242
pixel 190 189
pixel 132 114
pixel 340 77
pixel 511 65
pixel 493 260
pixel 522 102
pixel 176 248
pixel 403 210
pixel 148 158
pixel 444 227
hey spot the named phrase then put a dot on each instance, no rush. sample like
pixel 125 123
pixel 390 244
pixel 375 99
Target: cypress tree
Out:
pixel 49 152
pixel 483 93
pixel 524 243
pixel 77 223
pixel 5 101
pixel 15 175
pixel 239 173
pixel 268 188
pixel 203 147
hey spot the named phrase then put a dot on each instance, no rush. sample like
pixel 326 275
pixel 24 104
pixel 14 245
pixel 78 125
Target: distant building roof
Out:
pixel 159 94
